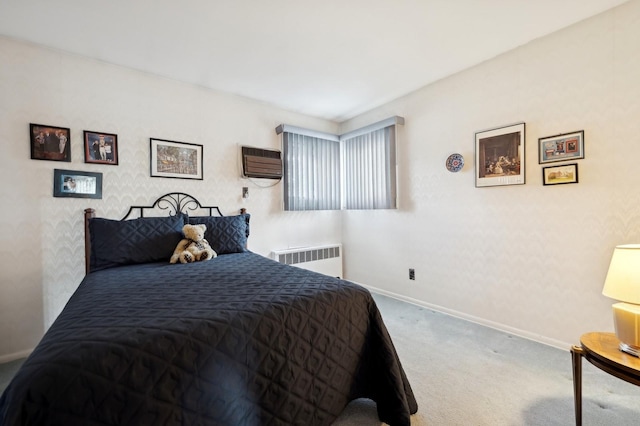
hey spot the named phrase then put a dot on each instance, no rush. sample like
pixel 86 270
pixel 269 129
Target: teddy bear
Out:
pixel 193 246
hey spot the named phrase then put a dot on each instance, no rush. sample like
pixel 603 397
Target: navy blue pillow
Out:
pixel 225 234
pixel 142 240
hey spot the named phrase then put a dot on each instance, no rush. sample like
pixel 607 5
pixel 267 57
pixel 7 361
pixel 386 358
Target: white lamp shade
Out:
pixel 623 279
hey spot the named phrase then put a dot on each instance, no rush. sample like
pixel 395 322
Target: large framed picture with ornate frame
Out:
pixel 567 146
pixel 500 156
pixel 172 159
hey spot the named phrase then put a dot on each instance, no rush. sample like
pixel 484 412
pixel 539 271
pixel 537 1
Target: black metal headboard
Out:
pixel 174 202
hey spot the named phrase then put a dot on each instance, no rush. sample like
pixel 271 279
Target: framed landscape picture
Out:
pixel 500 156
pixel 50 142
pixel 175 159
pixel 100 148
pixel 77 184
pixel 557 175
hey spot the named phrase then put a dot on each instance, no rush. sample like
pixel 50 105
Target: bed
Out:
pixel 236 340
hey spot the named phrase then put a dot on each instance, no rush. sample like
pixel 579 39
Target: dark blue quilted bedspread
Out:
pixel 238 340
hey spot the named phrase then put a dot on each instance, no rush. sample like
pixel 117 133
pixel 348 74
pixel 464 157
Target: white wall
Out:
pixel 42 236
pixel 528 258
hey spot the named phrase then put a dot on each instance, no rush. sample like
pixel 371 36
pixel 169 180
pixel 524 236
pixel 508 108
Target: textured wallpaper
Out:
pixel 42 236
pixel 530 259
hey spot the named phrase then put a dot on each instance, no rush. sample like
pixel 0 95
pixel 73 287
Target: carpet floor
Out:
pixel 463 373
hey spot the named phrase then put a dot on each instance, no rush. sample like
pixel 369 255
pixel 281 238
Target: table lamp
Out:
pixel 623 284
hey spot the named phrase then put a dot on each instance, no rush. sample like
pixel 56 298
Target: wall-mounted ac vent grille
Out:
pixel 324 259
pixel 261 163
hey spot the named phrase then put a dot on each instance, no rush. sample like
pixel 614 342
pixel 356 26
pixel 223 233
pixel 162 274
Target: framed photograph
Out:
pixel 100 148
pixel 176 159
pixel 568 146
pixel 77 184
pixel 557 175
pixel 500 156
pixel 50 142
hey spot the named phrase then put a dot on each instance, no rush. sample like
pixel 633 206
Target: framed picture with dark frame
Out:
pixel 500 156
pixel 100 148
pixel 50 142
pixel 567 146
pixel 77 184
pixel 557 175
pixel 172 159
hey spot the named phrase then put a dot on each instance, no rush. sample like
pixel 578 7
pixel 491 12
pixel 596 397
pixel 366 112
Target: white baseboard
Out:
pixel 14 356
pixel 497 326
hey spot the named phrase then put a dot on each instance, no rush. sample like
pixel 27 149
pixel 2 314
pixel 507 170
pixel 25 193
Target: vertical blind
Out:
pixel 312 172
pixel 354 171
pixel 369 170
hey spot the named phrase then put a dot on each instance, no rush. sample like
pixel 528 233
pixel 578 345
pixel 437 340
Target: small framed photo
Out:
pixel 500 156
pixel 100 148
pixel 77 184
pixel 175 159
pixel 557 175
pixel 50 142
pixel 567 146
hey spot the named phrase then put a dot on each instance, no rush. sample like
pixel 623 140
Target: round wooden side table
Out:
pixel 601 350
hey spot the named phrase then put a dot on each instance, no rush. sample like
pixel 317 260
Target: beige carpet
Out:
pixel 466 374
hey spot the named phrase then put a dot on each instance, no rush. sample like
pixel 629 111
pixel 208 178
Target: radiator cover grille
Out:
pixel 324 259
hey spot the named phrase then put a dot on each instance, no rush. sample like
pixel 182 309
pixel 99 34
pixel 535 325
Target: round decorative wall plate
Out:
pixel 455 162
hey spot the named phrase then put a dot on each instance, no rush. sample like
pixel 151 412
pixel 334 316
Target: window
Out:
pixel 327 172
pixel 311 171
pixel 369 162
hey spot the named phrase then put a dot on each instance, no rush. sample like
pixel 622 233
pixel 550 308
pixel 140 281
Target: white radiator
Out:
pixel 324 259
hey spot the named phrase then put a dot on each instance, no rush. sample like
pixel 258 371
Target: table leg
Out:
pixel 576 360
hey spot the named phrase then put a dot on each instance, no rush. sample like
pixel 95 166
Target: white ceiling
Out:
pixel 328 58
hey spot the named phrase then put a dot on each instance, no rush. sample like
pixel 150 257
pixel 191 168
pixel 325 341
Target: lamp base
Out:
pixel 629 349
pixel 626 318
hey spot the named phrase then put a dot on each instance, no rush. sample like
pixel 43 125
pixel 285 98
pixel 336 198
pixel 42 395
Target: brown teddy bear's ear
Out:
pixel 202 226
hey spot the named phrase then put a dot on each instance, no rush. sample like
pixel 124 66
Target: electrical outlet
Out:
pixel 245 192
pixel 412 274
